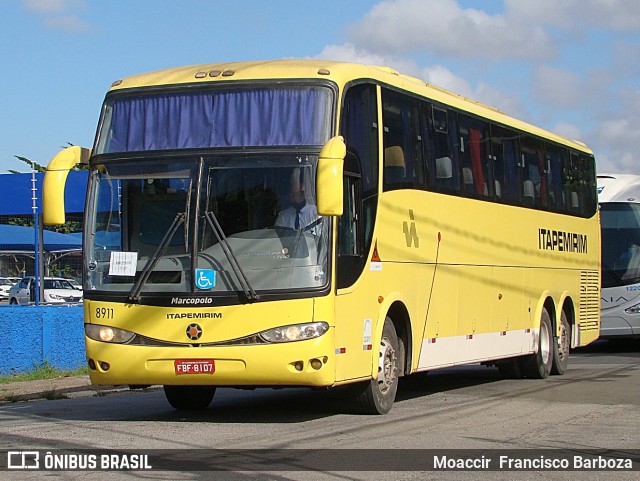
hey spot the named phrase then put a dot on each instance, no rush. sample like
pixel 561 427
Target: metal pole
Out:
pixel 36 243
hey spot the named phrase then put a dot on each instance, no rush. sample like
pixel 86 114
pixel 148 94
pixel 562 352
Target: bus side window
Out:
pixel 477 175
pixel 504 154
pixel 587 168
pixel 442 134
pixel 403 156
pixel 555 158
pixel 350 225
pixel 571 184
pixel 355 227
pixel 534 183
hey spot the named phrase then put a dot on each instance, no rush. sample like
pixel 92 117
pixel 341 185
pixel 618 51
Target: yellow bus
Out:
pixel 315 223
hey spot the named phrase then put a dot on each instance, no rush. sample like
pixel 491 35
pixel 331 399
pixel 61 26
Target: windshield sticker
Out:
pixel 123 263
pixel 205 278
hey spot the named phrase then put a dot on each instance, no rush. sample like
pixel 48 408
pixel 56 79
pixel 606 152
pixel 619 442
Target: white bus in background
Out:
pixel 619 198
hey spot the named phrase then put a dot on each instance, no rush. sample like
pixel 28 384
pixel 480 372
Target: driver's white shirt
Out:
pixel 308 215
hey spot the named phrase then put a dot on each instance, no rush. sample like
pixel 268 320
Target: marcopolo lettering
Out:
pixel 191 301
pixel 562 241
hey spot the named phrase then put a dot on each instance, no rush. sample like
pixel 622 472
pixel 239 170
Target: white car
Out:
pixel 56 291
pixel 75 284
pixel 5 286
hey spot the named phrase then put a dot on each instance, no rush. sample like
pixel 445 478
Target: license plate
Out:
pixel 194 366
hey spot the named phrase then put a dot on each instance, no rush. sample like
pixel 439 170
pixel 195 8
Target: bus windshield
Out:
pixel 237 223
pixel 620 243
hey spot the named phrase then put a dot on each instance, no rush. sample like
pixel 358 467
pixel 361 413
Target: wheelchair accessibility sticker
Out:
pixel 205 278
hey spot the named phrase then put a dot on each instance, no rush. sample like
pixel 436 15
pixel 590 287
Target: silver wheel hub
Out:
pixel 563 342
pixel 387 362
pixel 545 344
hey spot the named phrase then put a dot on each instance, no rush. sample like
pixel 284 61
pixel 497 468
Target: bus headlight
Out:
pixel 107 334
pixel 295 332
pixel 633 309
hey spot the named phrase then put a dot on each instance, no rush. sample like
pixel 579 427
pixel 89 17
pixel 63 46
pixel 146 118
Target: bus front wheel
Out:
pixel 377 396
pixel 538 365
pixel 189 398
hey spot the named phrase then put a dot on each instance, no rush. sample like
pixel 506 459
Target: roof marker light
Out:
pixel 324 71
pixel 201 74
pixel 228 73
pixel 214 73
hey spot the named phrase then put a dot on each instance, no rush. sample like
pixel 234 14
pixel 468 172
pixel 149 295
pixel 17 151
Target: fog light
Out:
pixel 316 364
pixel 299 365
pixel 92 364
pixel 104 366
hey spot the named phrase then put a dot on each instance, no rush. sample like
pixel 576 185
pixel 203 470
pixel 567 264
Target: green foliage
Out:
pixel 40 168
pixel 32 164
pixel 42 371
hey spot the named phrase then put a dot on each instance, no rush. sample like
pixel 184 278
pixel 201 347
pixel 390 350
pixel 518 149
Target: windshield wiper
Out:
pixel 233 260
pixel 134 294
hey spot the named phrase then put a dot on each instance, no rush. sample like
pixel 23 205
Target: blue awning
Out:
pixel 17 196
pixel 15 238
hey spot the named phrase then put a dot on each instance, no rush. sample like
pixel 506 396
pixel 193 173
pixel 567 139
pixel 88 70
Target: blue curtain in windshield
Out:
pixel 228 118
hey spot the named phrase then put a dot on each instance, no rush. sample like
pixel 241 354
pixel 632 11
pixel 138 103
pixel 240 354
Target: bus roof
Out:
pixel 618 188
pixel 339 72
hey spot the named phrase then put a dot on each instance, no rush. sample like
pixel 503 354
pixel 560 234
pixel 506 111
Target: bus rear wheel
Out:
pixel 561 347
pixel 189 398
pixel 377 396
pixel 538 365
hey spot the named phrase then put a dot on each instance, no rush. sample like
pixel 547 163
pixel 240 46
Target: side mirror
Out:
pixel 55 178
pixel 329 177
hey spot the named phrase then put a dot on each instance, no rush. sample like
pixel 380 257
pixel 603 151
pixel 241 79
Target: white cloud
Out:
pixel 350 53
pixel 59 14
pixel 618 136
pixel 570 131
pixel 67 23
pixel 558 87
pixel 444 28
pixel 619 15
pixel 443 77
pixel 45 6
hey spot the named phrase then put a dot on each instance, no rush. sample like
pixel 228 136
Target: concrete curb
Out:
pixel 56 388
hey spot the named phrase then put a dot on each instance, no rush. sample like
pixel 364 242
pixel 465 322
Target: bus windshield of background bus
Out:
pixel 620 244
pixel 283 115
pixel 251 226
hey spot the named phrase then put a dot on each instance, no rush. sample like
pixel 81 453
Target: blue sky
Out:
pixel 571 66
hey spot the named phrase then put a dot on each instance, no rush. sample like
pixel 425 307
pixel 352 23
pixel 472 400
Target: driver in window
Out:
pixel 300 215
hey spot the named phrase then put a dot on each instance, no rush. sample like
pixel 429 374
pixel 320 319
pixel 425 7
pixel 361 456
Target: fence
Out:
pixel 32 336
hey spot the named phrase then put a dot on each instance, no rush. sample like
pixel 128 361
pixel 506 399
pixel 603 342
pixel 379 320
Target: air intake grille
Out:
pixel 589 300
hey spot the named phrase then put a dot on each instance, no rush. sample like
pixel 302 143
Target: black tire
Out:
pixel 561 346
pixel 538 365
pixel 378 395
pixel 189 398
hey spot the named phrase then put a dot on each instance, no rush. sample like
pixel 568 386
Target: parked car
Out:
pixel 5 286
pixel 56 291
pixel 75 284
